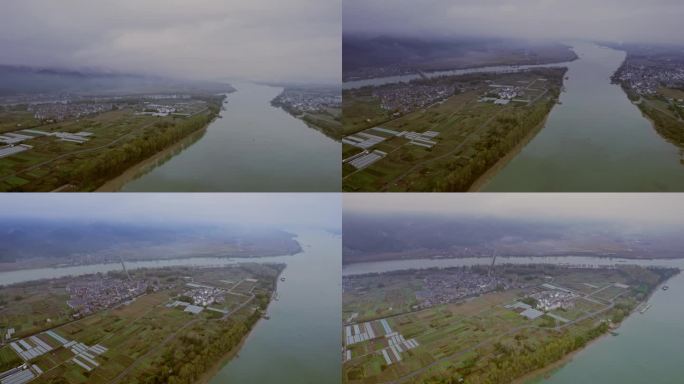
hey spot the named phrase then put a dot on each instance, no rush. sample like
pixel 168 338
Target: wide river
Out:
pixel 596 140
pixel 253 147
pixel 300 343
pixel 647 350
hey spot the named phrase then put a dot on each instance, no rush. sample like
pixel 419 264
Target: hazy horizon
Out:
pixel 628 209
pixel 283 210
pixel 634 21
pixel 294 42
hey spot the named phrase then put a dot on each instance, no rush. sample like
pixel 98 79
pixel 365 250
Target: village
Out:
pixel 646 77
pixel 92 294
pixel 300 100
pixel 88 324
pixel 398 323
pixel 403 98
pixel 51 108
pixel 448 287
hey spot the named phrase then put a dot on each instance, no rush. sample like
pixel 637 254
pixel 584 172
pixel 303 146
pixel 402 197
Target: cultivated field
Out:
pixel 486 338
pixel 394 142
pixel 133 341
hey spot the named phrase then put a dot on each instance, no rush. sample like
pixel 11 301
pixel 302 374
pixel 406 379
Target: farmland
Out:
pixel 444 133
pixel 532 316
pixel 186 321
pixel 78 146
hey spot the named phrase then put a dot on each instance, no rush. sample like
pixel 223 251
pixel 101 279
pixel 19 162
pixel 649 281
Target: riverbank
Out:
pixel 532 377
pixel 330 131
pixel 137 170
pixel 483 179
pixel 254 147
pixel 673 135
pixel 209 374
pixel 577 150
pixel 546 372
pixel 206 377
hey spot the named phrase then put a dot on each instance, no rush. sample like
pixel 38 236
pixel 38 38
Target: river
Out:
pixel 647 350
pixel 300 343
pixel 253 147
pixel 596 140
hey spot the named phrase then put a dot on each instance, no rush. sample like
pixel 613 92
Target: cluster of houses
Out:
pixel 93 294
pixel 404 98
pixel 203 295
pixel 309 100
pixel 502 94
pixel 64 110
pixel 646 79
pixel 454 285
pixel 554 298
pixel 159 110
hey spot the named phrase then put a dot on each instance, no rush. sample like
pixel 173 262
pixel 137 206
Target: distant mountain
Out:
pixel 24 242
pixel 410 236
pixel 366 57
pixel 360 52
pixel 27 80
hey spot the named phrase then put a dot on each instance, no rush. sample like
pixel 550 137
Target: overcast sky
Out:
pixel 265 40
pixel 615 20
pixel 639 208
pixel 284 210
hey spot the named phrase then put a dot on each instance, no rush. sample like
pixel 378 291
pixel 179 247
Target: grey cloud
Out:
pixel 638 208
pixel 287 210
pixel 616 20
pixel 266 40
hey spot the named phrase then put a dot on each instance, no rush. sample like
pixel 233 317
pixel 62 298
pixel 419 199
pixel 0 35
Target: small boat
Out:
pixel 614 333
pixel 282 279
pixel 665 287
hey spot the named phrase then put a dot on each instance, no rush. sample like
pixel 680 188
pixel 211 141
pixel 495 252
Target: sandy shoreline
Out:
pixel 494 169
